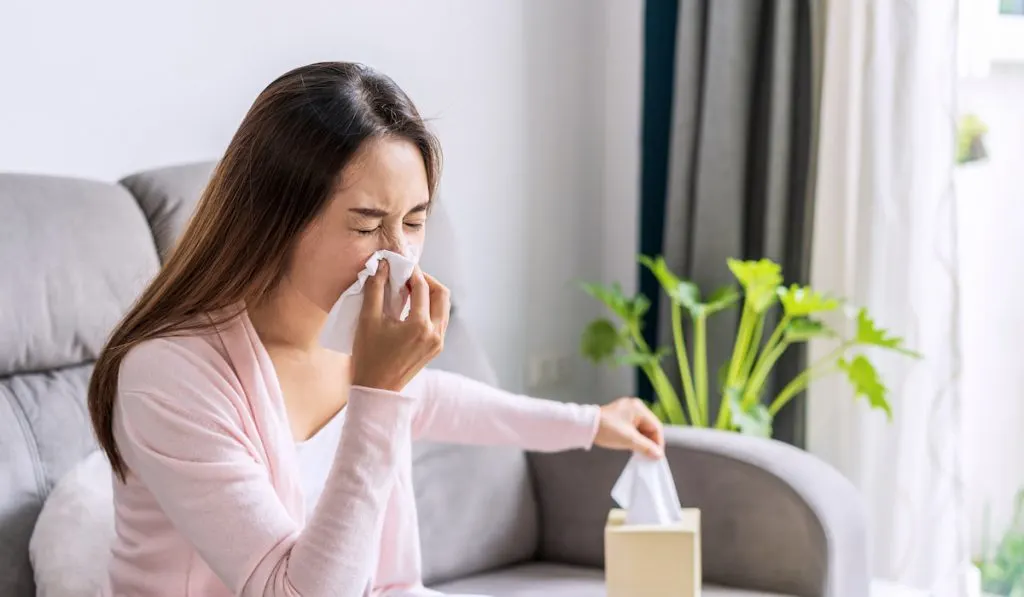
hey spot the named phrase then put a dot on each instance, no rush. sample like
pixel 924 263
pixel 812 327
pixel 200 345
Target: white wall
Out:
pixel 515 91
pixel 991 200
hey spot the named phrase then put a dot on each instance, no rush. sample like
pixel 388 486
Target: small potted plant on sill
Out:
pixel 1002 569
pixel 742 381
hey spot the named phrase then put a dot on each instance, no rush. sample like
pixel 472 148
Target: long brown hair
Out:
pixel 274 179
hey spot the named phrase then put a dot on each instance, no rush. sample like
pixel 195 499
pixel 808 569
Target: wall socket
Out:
pixel 546 371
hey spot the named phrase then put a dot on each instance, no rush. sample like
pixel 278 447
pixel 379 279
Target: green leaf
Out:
pixel 680 291
pixel 994 578
pixel 760 281
pixel 600 340
pixel 752 420
pixel 630 310
pixel 638 306
pixel 970 132
pixel 1018 588
pixel 800 301
pixel 688 296
pixel 636 358
pixel 685 293
pixel 753 273
pixel 723 298
pixel 612 297
pixel 870 334
pixel 866 382
pixel 803 329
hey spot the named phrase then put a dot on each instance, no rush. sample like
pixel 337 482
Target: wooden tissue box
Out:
pixel 648 560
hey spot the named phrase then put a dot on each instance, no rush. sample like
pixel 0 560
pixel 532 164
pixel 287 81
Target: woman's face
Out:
pixel 381 203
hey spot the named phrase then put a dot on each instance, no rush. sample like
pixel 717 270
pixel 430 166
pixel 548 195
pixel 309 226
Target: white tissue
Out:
pixel 340 330
pixel 646 491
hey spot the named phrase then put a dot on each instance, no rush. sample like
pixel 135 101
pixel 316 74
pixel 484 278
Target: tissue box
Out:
pixel 652 560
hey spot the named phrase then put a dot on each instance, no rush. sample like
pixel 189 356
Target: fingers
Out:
pixel 645 446
pixel 420 293
pixel 373 292
pixel 440 303
pixel 649 426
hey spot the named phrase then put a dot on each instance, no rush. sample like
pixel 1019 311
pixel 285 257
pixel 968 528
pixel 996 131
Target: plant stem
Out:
pixel 800 382
pixel 696 417
pixel 667 395
pixel 774 339
pixel 662 386
pixel 765 362
pixel 794 387
pixel 700 364
pixel 752 350
pixel 739 348
pixel 638 338
pixel 761 372
pixel 739 351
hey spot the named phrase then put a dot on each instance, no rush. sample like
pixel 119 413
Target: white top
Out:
pixel 316 455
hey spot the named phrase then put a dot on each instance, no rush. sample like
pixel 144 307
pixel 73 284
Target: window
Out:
pixel 1011 7
pixel 1008 32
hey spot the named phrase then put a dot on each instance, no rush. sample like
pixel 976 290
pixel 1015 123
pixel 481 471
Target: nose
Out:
pixel 395 242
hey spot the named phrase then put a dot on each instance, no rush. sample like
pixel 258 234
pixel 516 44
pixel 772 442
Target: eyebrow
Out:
pixel 372 212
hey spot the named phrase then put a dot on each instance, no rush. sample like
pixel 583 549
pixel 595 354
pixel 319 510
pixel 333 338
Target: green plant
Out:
pixel 743 379
pixel 970 134
pixel 1002 572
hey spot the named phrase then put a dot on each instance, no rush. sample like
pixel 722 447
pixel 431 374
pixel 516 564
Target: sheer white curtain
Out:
pixel 885 238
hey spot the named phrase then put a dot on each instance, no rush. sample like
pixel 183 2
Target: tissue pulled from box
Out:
pixel 340 330
pixel 647 492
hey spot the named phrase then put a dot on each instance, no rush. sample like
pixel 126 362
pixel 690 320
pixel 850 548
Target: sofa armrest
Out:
pixel 774 518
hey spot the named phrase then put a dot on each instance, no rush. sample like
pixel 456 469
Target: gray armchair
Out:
pixel 496 521
pixel 774 518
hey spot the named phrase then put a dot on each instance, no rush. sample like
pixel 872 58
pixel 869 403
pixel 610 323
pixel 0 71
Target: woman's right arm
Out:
pixel 192 454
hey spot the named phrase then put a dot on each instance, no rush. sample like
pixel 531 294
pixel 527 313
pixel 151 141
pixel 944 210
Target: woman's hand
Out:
pixel 627 424
pixel 388 353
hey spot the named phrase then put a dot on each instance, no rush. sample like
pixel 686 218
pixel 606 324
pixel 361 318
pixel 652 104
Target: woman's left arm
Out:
pixel 456 409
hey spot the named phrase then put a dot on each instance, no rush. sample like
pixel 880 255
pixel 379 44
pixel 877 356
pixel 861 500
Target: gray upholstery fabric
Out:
pixel 553 580
pixel 462 354
pixel 73 255
pixel 773 518
pixel 476 505
pixel 44 430
pixel 477 509
pixel 168 197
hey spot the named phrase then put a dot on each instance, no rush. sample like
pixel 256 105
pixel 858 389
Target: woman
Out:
pixel 215 378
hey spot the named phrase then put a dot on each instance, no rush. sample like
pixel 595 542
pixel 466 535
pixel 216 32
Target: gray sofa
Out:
pixel 74 254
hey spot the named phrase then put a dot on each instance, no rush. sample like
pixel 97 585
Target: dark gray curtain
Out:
pixel 736 155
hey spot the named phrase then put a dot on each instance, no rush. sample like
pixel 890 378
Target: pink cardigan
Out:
pixel 213 507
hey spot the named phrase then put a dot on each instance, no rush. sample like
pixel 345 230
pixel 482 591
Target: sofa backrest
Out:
pixel 75 253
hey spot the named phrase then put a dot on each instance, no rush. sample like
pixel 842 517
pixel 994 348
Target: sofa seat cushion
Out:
pixel 556 580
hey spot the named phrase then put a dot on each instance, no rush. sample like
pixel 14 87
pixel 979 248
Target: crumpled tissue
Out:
pixel 340 330
pixel 647 492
